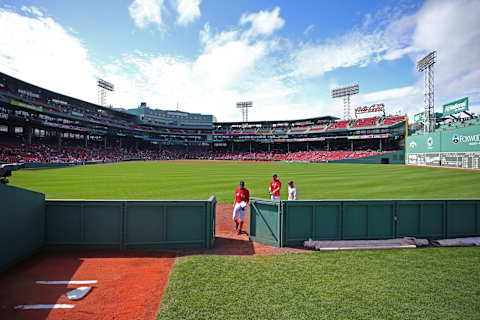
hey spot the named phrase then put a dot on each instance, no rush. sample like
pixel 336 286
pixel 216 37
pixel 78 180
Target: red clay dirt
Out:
pixel 228 242
pixel 130 282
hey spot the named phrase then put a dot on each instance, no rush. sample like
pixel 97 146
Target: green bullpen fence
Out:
pixel 22 224
pixel 289 223
pixel 29 222
pixel 130 224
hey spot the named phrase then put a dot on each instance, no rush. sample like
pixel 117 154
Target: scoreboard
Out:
pixel 470 160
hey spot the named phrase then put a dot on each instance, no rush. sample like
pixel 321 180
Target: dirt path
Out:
pixel 228 242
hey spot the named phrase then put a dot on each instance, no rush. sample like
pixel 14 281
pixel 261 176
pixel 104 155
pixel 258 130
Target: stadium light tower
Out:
pixel 103 87
pixel 345 92
pixel 426 64
pixel 244 106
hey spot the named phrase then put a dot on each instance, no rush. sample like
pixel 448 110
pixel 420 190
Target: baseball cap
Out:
pixel 274 175
pixel 290 182
pixel 242 183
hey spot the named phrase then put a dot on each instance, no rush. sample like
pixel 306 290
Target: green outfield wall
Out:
pixel 290 223
pixel 53 165
pixel 130 224
pixel 396 157
pixel 456 148
pixel 21 224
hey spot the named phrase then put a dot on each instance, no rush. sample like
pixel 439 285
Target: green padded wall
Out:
pixel 21 224
pixel 265 221
pixel 130 224
pixel 362 219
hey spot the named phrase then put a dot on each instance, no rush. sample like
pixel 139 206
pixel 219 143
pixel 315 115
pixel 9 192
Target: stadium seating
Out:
pixel 317 128
pixel 365 122
pixel 46 153
pixel 388 121
pixel 342 124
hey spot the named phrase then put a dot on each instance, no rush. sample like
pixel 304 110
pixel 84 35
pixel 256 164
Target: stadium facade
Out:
pixel 36 115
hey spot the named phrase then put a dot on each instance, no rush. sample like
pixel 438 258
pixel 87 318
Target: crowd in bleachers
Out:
pixel 44 153
pixel 299 156
pixel 314 128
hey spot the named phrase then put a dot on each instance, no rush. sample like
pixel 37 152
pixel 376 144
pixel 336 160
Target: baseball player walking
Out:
pixel 274 189
pixel 292 191
pixel 242 196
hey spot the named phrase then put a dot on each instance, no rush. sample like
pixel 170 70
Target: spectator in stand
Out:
pixel 292 191
pixel 274 189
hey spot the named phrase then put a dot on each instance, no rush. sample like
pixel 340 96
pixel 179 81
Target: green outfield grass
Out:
pixel 197 181
pixel 435 283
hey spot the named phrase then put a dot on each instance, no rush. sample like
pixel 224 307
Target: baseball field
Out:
pixel 433 283
pixel 198 180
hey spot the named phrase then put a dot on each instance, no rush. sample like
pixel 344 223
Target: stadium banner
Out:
pixel 461 140
pixel 424 143
pixel 455 107
pixel 26 106
pixel 378 107
pixel 419 117
pixel 371 136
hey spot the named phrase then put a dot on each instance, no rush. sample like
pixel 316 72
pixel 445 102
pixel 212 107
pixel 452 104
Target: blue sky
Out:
pixel 285 56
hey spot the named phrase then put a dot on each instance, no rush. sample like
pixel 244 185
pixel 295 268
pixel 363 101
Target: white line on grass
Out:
pixel 68 282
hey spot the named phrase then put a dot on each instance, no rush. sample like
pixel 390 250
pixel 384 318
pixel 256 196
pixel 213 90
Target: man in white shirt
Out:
pixel 292 191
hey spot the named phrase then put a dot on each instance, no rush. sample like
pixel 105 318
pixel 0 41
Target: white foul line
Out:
pixel 68 282
pixel 45 306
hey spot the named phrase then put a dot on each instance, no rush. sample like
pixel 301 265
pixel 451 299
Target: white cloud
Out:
pixel 249 62
pixel 209 83
pixel 309 29
pixel 188 11
pixel 378 96
pixel 263 22
pixel 39 50
pixel 353 49
pixel 383 36
pixel 145 12
pixel 451 28
pixel 32 10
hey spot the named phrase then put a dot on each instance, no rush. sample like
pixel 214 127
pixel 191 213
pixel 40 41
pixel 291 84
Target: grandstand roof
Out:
pixel 36 89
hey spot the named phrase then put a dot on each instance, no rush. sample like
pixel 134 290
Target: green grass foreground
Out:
pixel 435 283
pixel 198 181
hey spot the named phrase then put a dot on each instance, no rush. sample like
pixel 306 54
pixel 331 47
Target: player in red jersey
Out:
pixel 242 196
pixel 274 189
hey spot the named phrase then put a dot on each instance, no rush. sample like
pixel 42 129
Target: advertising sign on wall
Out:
pixel 455 107
pixel 419 117
pixel 379 107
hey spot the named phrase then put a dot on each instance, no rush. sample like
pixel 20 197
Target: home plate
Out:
pixel 45 306
pixel 78 293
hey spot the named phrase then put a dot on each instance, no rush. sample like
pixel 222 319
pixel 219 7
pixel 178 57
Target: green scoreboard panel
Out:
pixel 455 148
